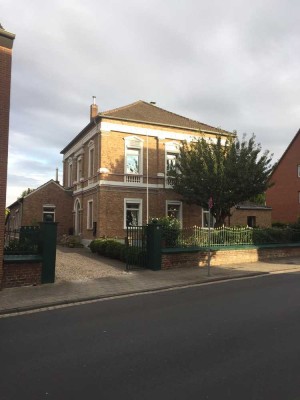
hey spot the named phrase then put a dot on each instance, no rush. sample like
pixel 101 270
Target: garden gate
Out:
pixel 136 247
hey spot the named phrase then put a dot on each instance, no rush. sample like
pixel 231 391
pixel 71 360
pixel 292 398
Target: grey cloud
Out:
pixel 231 64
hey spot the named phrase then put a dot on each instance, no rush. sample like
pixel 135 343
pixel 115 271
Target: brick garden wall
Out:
pixel 21 274
pixel 225 257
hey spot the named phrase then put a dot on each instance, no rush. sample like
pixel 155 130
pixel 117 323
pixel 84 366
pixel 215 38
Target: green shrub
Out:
pixel 94 245
pixel 109 248
pixel 113 249
pixel 170 230
pixel 279 225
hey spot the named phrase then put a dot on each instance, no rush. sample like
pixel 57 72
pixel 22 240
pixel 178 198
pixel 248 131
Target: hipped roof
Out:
pixel 143 112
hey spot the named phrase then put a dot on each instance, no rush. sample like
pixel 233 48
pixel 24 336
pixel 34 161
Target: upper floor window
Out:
pixel 91 170
pixel 70 174
pixel 171 157
pixel 79 168
pixel 298 170
pixel 133 160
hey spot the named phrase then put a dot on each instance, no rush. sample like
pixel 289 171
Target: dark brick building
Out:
pixel 6 44
pixel 49 202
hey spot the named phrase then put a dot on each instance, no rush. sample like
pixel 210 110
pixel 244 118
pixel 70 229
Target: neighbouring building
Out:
pixel 118 169
pixel 250 214
pixel 49 202
pixel 6 44
pixel 284 195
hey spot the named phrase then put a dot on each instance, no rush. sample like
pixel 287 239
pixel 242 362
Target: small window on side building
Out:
pixel 251 221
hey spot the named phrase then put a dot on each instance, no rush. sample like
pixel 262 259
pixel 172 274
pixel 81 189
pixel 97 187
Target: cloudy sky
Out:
pixel 233 64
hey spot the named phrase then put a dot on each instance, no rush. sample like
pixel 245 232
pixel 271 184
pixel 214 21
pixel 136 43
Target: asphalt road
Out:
pixel 232 340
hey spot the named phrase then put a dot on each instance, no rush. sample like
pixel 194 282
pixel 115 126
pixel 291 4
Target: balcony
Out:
pixel 132 178
pixel 170 180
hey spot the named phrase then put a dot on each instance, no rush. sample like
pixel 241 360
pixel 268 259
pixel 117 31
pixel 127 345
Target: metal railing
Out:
pixel 24 240
pixel 136 247
pixel 228 236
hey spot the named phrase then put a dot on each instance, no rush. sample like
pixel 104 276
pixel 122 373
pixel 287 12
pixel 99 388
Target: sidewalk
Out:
pixel 22 299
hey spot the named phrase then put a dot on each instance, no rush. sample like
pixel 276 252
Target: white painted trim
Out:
pixel 177 203
pixel 88 214
pixel 140 148
pixel 86 188
pixel 81 142
pixel 103 182
pixel 90 150
pixel 131 200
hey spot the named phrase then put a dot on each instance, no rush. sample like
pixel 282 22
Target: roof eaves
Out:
pixel 83 131
pixel 216 131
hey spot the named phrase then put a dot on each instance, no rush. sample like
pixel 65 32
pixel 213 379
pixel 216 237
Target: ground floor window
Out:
pixel 206 218
pixel 174 209
pixel 49 213
pixel 132 212
pixel 90 214
pixel 77 217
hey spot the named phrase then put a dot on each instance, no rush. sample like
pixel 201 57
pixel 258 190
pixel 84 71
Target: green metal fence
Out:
pixel 136 247
pixel 228 236
pixel 22 241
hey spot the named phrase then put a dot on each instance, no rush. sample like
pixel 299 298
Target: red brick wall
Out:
pixel 32 211
pixel 225 257
pixel 5 79
pixel 283 196
pixel 22 274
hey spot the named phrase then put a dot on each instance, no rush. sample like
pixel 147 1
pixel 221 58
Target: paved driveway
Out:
pixel 80 264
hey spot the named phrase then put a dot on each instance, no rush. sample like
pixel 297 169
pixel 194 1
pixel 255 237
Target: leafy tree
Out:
pixel 259 199
pixel 228 172
pixel 25 193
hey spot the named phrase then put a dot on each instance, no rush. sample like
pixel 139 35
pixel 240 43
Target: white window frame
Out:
pixel 79 168
pixel 52 212
pixel 298 170
pixel 91 167
pixel 175 203
pixel 90 214
pixel 70 173
pixel 133 143
pixel 133 201
pixel 170 148
pixel 212 219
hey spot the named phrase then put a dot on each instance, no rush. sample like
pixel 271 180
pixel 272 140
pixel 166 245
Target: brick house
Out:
pixel 250 214
pixel 284 195
pixel 6 44
pixel 117 167
pixel 49 202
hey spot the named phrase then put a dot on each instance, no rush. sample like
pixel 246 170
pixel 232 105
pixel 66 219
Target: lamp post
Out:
pixel 147 179
pixel 210 205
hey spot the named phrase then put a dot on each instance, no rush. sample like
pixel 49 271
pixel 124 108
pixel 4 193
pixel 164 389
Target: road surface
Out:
pixel 231 340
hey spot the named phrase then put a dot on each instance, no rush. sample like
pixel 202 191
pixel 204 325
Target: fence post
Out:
pixel 154 246
pixel 48 250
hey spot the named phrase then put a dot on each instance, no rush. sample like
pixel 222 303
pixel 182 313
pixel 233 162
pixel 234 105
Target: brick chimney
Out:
pixel 6 44
pixel 93 109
